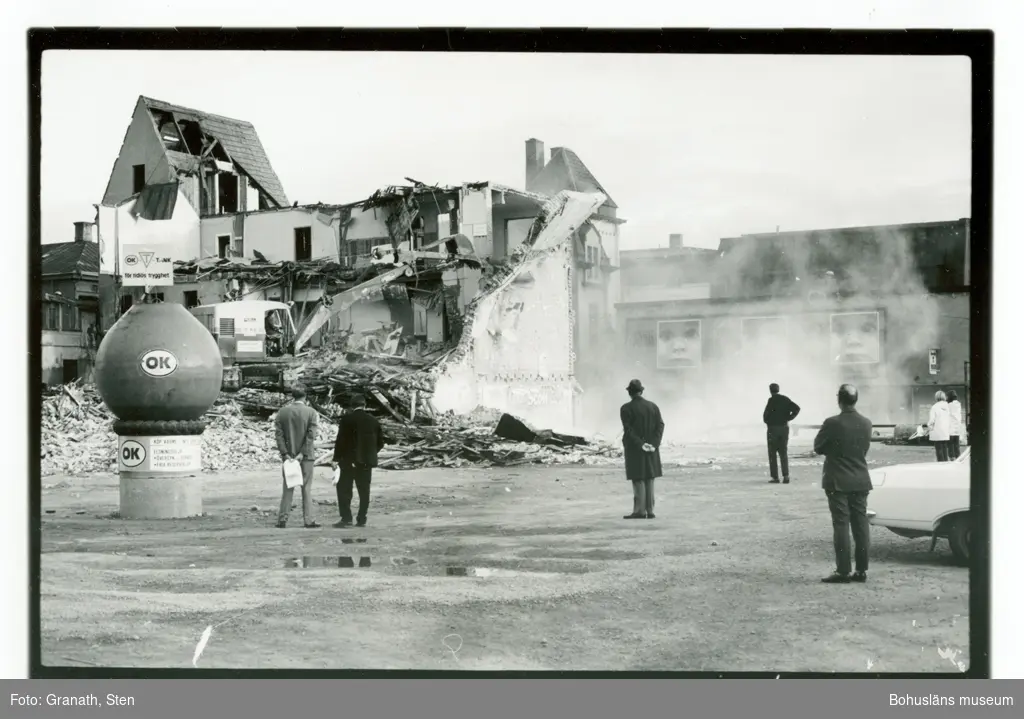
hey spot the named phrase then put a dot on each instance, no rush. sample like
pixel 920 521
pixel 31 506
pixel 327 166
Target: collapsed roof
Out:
pixel 185 128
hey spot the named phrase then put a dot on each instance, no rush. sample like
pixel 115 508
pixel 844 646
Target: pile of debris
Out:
pixel 77 436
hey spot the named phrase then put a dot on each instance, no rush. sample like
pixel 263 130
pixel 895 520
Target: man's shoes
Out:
pixel 342 524
pixel 774 481
pixel 281 525
pixel 860 577
pixel 786 480
pixel 313 525
pixel 837 578
pixel 635 516
pixel 650 516
pixel 360 522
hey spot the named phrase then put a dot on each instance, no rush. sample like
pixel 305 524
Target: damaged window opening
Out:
pixel 228 194
pixel 138 178
pixel 192 136
pixel 223 246
pixel 303 244
pixel 191 299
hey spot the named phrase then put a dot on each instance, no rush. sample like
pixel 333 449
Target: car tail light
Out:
pixel 877 478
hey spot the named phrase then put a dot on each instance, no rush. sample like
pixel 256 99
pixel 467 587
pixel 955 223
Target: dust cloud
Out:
pixel 810 324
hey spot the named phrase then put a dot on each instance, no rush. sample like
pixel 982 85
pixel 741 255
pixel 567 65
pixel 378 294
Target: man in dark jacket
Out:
pixel 778 413
pixel 642 429
pixel 359 440
pixel 295 429
pixel 844 439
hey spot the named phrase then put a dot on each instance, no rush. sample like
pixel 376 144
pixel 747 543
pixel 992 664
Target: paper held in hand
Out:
pixel 292 473
pixel 337 476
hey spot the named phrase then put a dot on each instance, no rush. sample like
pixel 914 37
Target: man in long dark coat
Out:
pixel 360 438
pixel 844 439
pixel 642 430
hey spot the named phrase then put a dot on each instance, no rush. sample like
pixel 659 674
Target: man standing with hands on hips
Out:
pixel 778 413
pixel 642 430
pixel 360 438
pixel 295 431
pixel 844 439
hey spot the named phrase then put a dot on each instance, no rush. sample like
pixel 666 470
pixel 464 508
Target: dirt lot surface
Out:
pixel 520 569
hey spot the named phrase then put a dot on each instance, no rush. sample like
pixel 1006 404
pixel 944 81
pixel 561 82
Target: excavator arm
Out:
pixel 332 306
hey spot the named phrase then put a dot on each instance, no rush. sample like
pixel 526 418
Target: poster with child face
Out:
pixel 679 344
pixel 854 338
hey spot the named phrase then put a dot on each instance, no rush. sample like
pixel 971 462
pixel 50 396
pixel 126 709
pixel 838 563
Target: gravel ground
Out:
pixel 528 568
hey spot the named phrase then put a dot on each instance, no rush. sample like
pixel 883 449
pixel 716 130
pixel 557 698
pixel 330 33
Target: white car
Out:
pixel 928 499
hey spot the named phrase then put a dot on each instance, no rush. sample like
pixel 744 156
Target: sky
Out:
pixel 708 146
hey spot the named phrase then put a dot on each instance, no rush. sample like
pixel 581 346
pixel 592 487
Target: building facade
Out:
pixel 886 308
pixel 70 307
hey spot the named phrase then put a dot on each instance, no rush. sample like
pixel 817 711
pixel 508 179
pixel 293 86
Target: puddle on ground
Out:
pixel 325 562
pixel 488 572
pixel 352 540
pixel 405 563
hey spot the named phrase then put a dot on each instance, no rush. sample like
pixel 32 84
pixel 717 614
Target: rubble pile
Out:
pixel 77 435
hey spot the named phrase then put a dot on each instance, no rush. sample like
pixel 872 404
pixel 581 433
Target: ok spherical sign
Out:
pixel 159 363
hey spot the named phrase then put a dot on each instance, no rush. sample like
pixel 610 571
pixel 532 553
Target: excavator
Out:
pixel 258 339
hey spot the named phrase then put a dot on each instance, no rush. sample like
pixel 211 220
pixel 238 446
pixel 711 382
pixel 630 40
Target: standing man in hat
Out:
pixel 360 438
pixel 295 430
pixel 845 439
pixel 778 413
pixel 642 430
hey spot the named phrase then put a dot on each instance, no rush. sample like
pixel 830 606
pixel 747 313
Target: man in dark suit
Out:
pixel 844 439
pixel 642 430
pixel 359 440
pixel 295 431
pixel 778 413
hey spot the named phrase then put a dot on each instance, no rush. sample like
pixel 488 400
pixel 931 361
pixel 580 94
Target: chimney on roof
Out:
pixel 675 242
pixel 84 232
pixel 534 160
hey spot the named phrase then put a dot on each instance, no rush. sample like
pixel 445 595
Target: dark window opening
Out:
pixel 218 151
pixel 126 303
pixel 192 135
pixel 264 204
pixel 191 299
pixel 228 192
pixel 138 178
pixel 303 244
pixel 223 246
pixel 69 371
pixel 169 133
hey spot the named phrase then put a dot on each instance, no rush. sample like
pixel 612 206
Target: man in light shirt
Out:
pixel 956 424
pixel 938 427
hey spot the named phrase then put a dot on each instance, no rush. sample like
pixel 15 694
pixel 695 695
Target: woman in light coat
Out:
pixel 956 424
pixel 938 427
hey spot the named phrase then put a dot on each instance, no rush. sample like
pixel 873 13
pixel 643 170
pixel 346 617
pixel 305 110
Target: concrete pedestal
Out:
pixel 160 477
pixel 164 497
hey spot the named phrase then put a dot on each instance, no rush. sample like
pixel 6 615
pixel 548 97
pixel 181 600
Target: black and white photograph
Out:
pixel 507 361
